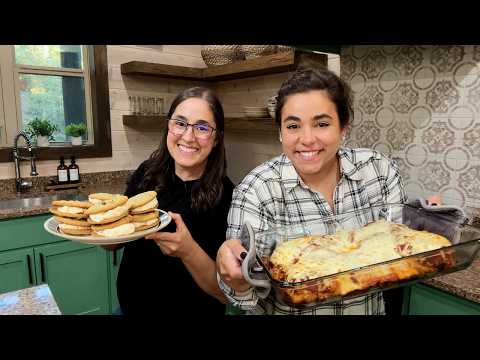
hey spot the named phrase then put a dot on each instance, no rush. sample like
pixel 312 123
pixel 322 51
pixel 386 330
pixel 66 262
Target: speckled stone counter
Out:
pixel 111 182
pixel 36 300
pixel 465 283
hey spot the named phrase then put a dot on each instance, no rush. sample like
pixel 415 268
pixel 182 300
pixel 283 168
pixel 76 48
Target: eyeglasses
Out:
pixel 201 131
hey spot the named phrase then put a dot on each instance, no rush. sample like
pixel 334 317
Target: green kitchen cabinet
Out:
pixel 423 299
pixel 114 260
pixel 77 275
pixel 16 270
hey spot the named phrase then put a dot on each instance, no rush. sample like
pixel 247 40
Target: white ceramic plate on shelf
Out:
pixel 51 226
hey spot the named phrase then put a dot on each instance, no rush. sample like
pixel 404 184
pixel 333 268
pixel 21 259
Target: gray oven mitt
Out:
pixel 440 219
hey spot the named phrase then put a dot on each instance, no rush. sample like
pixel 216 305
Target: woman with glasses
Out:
pixel 173 271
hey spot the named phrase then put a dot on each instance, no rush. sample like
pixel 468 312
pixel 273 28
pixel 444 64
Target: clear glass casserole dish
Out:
pixel 405 264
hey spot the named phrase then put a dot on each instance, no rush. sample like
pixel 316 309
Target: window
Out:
pixel 65 84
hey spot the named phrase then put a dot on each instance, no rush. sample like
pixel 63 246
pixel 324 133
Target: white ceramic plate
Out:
pixel 51 226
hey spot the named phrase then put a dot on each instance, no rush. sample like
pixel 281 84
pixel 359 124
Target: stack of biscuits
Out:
pixel 107 215
pixel 71 216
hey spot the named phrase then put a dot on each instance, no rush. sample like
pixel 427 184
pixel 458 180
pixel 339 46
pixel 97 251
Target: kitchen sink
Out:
pixel 41 201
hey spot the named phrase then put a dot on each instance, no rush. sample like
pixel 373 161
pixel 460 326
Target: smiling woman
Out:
pixel 174 269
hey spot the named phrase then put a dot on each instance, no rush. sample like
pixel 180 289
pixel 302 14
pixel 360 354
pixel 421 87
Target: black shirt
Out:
pixel 150 282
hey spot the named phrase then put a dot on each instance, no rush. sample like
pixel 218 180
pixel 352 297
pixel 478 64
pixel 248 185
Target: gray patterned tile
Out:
pixel 469 180
pixel 371 100
pixel 438 137
pixel 442 96
pixel 404 98
pixel 471 139
pixel 400 135
pixel 367 134
pixel 476 52
pixel 348 65
pixel 473 96
pixel 373 64
pixel 407 59
pixel 444 58
pixel 434 176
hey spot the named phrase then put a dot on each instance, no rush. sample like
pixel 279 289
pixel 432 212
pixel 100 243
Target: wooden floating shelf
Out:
pixel 242 125
pixel 264 65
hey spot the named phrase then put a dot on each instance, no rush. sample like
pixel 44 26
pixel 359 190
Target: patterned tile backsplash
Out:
pixel 420 105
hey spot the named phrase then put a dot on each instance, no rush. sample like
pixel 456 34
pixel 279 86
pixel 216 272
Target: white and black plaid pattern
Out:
pixel 274 195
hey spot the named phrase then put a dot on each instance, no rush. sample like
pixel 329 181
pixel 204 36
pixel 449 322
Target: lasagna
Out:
pixel 303 265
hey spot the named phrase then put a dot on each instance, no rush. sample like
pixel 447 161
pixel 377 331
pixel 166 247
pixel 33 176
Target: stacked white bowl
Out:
pixel 271 106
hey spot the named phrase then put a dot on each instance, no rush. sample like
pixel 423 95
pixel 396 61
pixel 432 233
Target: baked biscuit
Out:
pixel 148 207
pixel 106 205
pixel 69 221
pixel 71 203
pixel 108 216
pixel 141 199
pixel 145 221
pixel 69 212
pixel 73 227
pixel 97 198
pixel 124 220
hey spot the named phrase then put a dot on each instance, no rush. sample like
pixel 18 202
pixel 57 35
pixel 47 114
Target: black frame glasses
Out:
pixel 179 127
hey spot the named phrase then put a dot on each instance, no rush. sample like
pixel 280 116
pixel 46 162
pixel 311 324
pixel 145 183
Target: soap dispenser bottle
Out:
pixel 62 172
pixel 73 171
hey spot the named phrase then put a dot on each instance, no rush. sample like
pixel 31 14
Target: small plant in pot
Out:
pixel 42 130
pixel 75 131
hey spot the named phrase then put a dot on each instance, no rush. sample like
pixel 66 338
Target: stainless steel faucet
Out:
pixel 20 184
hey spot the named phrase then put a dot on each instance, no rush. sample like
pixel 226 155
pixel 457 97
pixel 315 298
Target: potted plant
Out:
pixel 42 130
pixel 75 131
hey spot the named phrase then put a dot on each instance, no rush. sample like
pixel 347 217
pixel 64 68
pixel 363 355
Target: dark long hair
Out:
pixel 160 167
pixel 307 79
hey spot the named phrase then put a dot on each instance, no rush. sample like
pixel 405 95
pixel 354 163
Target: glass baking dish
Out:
pixel 459 255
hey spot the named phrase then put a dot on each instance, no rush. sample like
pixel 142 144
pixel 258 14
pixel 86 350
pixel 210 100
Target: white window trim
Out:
pixel 10 115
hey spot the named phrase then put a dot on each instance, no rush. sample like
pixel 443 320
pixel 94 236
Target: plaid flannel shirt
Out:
pixel 273 194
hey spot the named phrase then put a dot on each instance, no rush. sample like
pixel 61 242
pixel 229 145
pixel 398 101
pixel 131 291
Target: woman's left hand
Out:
pixel 178 244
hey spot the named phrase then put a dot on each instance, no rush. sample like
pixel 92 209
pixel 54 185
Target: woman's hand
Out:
pixel 229 265
pixel 178 244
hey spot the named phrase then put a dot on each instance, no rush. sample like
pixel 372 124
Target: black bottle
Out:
pixel 73 171
pixel 62 172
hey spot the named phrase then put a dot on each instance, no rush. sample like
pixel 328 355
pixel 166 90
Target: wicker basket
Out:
pixel 220 54
pixel 284 48
pixel 254 51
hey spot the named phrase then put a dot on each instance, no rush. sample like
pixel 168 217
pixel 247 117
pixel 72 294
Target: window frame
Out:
pixel 98 104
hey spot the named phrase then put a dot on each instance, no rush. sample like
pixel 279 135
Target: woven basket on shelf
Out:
pixel 254 51
pixel 220 54
pixel 284 48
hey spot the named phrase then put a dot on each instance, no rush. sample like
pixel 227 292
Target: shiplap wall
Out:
pixel 130 146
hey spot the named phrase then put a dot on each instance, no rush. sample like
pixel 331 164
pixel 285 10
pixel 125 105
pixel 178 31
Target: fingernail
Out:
pixel 243 255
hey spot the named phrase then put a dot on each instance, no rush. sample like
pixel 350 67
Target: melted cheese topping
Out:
pixel 120 230
pixel 94 201
pixel 150 205
pixel 311 257
pixel 70 210
pixel 112 213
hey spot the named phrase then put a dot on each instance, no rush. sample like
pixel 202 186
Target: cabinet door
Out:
pixel 427 300
pixel 77 275
pixel 16 270
pixel 115 258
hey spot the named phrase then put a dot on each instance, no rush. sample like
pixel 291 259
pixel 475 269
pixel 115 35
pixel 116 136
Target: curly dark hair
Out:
pixel 160 167
pixel 308 79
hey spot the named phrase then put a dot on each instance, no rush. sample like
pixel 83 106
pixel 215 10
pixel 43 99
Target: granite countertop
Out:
pixel 36 300
pixel 465 283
